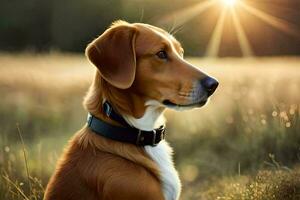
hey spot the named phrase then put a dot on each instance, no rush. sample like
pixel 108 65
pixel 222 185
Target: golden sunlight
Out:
pixel 230 3
pixel 181 16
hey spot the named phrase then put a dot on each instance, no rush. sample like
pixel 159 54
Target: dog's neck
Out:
pixel 151 111
pixel 153 117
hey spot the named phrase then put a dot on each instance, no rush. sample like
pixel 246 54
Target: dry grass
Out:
pixel 222 150
pixel 266 185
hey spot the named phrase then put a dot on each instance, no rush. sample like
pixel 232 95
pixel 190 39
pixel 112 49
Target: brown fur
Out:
pixel 93 167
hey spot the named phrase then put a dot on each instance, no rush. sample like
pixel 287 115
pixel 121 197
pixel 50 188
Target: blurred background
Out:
pixel 245 144
pixel 45 26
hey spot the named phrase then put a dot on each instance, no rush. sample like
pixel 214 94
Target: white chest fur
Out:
pixel 162 153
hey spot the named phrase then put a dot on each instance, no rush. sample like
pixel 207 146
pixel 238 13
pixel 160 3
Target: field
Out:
pixel 245 144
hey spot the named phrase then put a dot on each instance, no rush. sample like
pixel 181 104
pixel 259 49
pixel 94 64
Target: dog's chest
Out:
pixel 162 155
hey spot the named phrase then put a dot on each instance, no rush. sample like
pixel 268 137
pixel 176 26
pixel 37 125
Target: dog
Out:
pixel 121 153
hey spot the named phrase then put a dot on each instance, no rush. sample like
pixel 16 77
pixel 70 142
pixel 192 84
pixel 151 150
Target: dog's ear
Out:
pixel 113 53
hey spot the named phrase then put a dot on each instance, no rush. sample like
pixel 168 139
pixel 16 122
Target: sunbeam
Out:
pixel 242 38
pixel 215 40
pixel 278 23
pixel 183 15
pixel 179 17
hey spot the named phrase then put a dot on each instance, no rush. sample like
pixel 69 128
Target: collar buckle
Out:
pixel 158 132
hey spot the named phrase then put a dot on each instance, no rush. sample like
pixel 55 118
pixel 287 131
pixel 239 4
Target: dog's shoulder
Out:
pixel 132 181
pixel 118 178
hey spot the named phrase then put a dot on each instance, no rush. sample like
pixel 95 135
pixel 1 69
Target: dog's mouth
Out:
pixel 170 104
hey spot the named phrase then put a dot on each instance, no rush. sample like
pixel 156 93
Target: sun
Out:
pixel 230 3
pixel 230 7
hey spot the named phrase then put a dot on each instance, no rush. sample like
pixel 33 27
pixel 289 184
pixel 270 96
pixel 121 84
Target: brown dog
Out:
pixel 141 71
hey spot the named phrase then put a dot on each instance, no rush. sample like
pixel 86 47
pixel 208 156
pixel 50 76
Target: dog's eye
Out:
pixel 162 55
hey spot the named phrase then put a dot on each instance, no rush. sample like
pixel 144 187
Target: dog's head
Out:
pixel 143 63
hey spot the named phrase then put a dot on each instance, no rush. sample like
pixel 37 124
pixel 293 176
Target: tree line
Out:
pixel 68 25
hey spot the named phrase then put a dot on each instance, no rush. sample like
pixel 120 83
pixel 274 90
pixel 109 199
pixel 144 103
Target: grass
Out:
pixel 244 145
pixel 266 185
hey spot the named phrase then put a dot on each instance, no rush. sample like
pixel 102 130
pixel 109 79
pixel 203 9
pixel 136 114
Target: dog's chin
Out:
pixel 181 107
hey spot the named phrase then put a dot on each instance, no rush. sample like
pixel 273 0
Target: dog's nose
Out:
pixel 210 84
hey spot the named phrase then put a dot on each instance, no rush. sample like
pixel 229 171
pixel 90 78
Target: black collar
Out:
pixel 127 133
